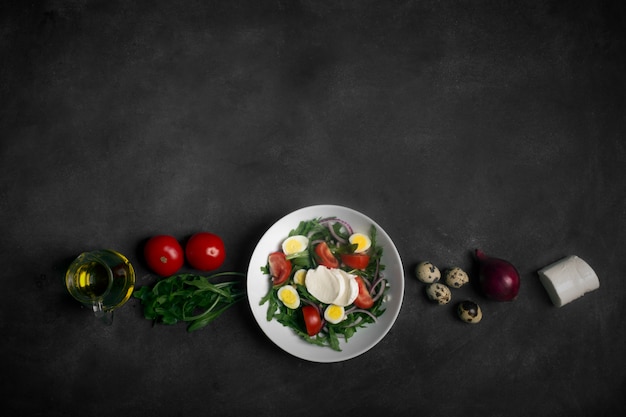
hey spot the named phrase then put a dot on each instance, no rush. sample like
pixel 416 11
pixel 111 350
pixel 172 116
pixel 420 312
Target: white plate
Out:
pixel 258 284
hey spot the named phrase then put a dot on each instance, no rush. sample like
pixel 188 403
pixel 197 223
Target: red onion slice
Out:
pixel 383 284
pixel 360 310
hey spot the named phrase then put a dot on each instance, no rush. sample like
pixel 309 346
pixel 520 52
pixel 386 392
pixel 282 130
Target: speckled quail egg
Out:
pixel 469 312
pixel 456 277
pixel 439 292
pixel 427 272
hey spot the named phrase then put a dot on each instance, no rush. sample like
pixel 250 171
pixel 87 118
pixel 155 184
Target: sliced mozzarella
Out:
pixel 323 284
pixel 351 288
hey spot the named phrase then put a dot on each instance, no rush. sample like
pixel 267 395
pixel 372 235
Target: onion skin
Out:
pixel 499 280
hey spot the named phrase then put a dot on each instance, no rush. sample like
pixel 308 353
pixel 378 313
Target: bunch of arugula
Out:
pixel 319 229
pixel 190 298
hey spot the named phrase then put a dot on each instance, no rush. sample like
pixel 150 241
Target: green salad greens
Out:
pixel 334 245
pixel 190 298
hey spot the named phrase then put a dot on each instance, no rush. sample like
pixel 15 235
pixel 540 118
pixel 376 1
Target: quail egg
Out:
pixel 439 292
pixel 362 242
pixel 295 244
pixel 427 272
pixel 334 314
pixel 469 312
pixel 299 276
pixel 289 296
pixel 456 277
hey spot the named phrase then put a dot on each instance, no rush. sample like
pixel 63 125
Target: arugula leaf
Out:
pixel 189 298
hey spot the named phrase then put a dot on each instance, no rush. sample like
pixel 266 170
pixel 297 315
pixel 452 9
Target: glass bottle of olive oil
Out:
pixel 92 279
pixel 102 279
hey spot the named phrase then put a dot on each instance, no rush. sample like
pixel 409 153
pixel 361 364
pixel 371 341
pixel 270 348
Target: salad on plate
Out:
pixel 327 281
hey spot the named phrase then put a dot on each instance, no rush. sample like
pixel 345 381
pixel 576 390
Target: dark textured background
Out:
pixel 453 124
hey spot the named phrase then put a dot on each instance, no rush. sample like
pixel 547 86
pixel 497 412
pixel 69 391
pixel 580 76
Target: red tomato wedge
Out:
pixel 280 267
pixel 325 256
pixel 355 260
pixel 364 299
pixel 312 320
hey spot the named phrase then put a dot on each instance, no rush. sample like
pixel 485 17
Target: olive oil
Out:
pixel 104 279
pixel 92 280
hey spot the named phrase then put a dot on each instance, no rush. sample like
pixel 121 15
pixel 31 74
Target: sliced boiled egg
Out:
pixel 334 314
pixel 289 296
pixel 299 276
pixel 295 244
pixel 362 241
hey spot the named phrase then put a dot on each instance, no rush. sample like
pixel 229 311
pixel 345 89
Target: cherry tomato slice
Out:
pixel 312 320
pixel 164 255
pixel 205 251
pixel 364 299
pixel 280 268
pixel 325 256
pixel 355 260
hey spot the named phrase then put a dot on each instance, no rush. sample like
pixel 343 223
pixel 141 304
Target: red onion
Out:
pixel 360 310
pixel 330 221
pixel 499 280
pixel 338 238
pixel 356 322
pixel 381 291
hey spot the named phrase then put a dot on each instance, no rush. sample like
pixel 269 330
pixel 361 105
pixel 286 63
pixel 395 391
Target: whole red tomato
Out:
pixel 164 255
pixel 205 251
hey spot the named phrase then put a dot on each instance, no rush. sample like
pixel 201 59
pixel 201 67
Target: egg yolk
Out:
pixel 361 241
pixel 293 246
pixel 299 276
pixel 289 297
pixel 334 313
